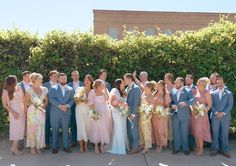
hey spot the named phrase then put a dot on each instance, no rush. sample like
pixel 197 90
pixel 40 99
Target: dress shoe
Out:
pixel 213 154
pixel 67 150
pixel 133 151
pixel 47 147
pixel 54 151
pixel 73 145
pixel 226 154
pixel 186 153
pixel 175 151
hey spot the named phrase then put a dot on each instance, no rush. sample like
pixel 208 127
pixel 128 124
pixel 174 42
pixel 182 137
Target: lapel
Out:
pixel 223 95
pixel 181 95
pixel 60 91
pixel 129 90
pixel 22 86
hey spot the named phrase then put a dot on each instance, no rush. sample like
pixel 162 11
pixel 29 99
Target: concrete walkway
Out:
pixel 91 159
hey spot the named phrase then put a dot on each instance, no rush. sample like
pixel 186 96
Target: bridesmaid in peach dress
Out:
pixel 160 123
pixel 100 130
pixel 13 102
pixel 199 124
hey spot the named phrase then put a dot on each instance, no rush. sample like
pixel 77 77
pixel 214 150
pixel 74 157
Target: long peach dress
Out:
pixel 160 125
pixel 200 126
pixel 17 126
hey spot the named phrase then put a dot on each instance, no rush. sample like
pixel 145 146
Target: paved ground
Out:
pixel 91 159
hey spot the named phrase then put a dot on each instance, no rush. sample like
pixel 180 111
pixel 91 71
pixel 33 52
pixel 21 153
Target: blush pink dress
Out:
pixel 100 130
pixel 200 126
pixel 17 126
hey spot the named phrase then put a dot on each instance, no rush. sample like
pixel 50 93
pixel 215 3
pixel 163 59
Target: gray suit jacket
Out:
pixel 185 96
pixel 71 84
pixel 133 99
pixel 224 105
pixel 56 98
pixel 21 84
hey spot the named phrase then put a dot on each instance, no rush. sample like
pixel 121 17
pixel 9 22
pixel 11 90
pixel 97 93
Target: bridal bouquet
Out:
pixel 93 114
pixel 37 103
pixel 161 112
pixel 123 107
pixel 199 109
pixel 80 95
pixel 146 110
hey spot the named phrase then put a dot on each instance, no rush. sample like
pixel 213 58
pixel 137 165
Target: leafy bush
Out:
pixel 199 52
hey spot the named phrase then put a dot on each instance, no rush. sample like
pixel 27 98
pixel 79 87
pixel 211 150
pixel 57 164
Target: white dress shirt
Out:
pixel 63 89
pixel 75 85
pixel 221 93
pixel 26 85
pixel 179 91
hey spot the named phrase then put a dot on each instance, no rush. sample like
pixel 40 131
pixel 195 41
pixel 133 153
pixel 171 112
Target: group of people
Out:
pixel 129 118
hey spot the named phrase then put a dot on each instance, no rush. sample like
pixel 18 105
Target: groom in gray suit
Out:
pixel 61 100
pixel 133 100
pixel 182 98
pixel 222 104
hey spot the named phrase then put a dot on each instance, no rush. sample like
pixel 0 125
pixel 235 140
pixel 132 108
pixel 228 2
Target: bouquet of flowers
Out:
pixel 93 114
pixel 123 107
pixel 146 110
pixel 37 103
pixel 162 112
pixel 199 109
pixel 80 95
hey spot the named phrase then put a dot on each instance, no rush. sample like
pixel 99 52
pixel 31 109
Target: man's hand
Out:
pixel 63 108
pixel 220 115
pixel 132 117
pixel 175 107
pixel 134 74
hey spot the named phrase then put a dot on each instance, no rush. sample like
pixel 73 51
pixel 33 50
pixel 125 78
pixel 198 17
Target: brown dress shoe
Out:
pixel 47 147
pixel 213 154
pixel 226 154
pixel 133 151
pixel 67 150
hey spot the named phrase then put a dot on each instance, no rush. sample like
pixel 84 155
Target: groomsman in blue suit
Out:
pixel 74 84
pixel 189 82
pixel 61 98
pixel 182 98
pixel 133 100
pixel 24 84
pixel 102 75
pixel 53 75
pixel 222 104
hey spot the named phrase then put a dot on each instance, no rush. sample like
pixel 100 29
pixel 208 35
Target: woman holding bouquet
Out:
pixel 160 116
pixel 36 101
pixel 13 102
pixel 200 127
pixel 119 114
pixel 146 109
pixel 82 109
pixel 100 129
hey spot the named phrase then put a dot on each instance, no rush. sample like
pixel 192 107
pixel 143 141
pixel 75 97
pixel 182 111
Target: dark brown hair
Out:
pixel 130 76
pixel 117 84
pixel 53 72
pixel 190 76
pixel 10 85
pixel 162 83
pixel 24 73
pixel 102 71
pixel 90 78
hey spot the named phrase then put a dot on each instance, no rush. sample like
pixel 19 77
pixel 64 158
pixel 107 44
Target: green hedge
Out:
pixel 198 52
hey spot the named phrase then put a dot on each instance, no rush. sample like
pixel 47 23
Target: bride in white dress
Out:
pixel 119 138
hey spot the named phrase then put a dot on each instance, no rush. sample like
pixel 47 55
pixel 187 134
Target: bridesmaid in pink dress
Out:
pixel 13 102
pixel 160 124
pixel 199 124
pixel 100 130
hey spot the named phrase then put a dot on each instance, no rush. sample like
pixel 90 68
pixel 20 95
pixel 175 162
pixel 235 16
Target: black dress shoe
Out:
pixel 73 145
pixel 67 150
pixel 175 151
pixel 214 153
pixel 54 151
pixel 186 153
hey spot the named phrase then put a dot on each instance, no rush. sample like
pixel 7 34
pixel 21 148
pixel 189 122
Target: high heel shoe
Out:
pixel 16 152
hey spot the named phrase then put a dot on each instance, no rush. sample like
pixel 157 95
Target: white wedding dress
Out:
pixel 119 142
